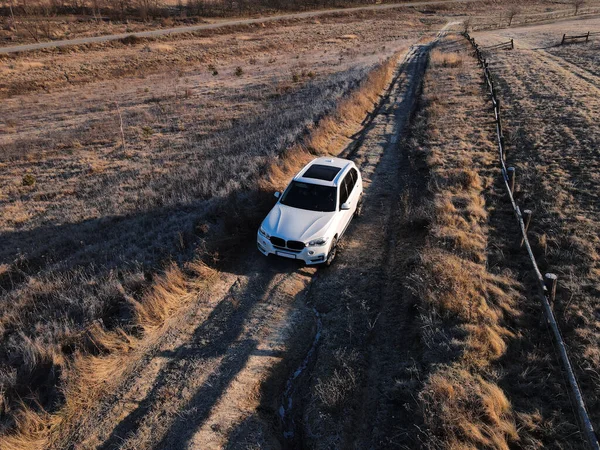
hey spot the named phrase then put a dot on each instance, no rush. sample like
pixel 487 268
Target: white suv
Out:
pixel 311 216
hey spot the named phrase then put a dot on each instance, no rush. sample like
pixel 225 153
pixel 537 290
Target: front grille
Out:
pixel 285 249
pixel 295 245
pixel 292 246
pixel 277 241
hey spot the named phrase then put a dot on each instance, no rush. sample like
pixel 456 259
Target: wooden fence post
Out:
pixel 563 39
pixel 526 221
pixel 511 179
pixel 512 44
pixel 550 281
pixel 587 38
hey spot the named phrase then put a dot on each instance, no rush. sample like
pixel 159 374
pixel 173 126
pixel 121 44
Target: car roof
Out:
pixel 322 171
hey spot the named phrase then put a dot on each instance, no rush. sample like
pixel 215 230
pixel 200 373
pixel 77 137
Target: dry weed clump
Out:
pixel 470 412
pixel 439 58
pixel 470 300
pixel 333 390
pixel 463 306
pixel 96 323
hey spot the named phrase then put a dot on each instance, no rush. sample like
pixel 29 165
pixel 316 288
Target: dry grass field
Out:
pixel 106 178
pixel 41 20
pixel 136 313
pixel 490 376
pixel 554 141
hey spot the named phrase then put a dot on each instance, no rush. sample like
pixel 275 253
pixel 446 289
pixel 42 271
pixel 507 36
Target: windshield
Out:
pixel 310 196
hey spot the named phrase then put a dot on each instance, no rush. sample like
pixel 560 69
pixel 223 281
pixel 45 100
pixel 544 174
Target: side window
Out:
pixel 349 183
pixel 344 191
pixel 346 188
pixel 354 175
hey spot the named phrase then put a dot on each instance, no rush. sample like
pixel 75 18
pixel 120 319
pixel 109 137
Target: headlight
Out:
pixel 318 242
pixel 262 231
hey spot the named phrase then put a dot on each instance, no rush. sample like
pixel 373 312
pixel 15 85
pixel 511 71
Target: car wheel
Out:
pixel 332 253
pixel 359 207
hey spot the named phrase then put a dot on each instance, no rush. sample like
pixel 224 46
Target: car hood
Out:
pixel 297 224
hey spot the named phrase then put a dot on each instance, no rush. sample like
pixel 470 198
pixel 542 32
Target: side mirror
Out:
pixel 345 206
pixel 277 194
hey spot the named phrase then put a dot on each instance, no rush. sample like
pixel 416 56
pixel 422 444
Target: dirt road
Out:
pixel 217 376
pixel 212 26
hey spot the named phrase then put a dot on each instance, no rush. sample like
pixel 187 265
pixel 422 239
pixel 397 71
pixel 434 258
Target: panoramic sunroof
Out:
pixel 320 172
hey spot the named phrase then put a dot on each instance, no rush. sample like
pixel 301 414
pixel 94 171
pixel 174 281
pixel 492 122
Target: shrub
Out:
pixel 238 71
pixel 28 180
pixel 131 40
pixel 147 131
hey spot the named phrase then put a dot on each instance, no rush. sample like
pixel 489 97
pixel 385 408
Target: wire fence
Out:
pixel 547 283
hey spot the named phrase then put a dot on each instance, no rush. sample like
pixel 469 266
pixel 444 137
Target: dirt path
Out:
pixel 202 376
pixel 343 401
pixel 393 347
pixel 212 26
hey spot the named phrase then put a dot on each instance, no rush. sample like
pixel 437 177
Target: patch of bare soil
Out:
pixel 553 142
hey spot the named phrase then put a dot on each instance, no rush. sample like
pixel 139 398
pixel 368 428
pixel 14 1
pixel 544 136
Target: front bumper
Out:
pixel 319 254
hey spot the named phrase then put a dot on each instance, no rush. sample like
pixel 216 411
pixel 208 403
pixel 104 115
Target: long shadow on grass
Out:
pixel 219 335
pixel 102 252
pixel 531 377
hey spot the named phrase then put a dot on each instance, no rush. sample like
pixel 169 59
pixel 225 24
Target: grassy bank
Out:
pixel 463 306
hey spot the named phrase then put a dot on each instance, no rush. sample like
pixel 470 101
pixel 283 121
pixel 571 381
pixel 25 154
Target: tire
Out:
pixel 332 253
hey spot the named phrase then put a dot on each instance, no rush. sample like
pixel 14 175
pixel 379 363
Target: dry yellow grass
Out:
pixel 342 122
pixel 470 412
pixel 463 304
pixel 445 59
pixel 88 377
